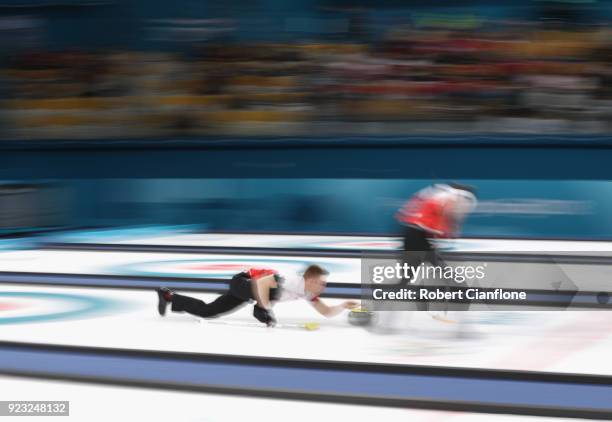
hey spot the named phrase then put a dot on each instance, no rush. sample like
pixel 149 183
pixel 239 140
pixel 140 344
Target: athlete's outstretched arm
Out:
pixel 331 311
pixel 262 291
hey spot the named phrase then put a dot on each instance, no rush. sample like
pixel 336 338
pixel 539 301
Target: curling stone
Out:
pixel 360 317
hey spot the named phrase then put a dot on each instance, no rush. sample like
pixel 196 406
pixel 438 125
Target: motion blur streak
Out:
pixel 303 68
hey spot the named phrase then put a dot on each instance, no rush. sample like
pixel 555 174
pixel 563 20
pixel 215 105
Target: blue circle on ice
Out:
pixel 81 306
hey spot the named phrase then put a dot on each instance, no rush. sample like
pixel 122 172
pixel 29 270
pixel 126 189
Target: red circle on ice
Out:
pixel 217 267
pixel 8 306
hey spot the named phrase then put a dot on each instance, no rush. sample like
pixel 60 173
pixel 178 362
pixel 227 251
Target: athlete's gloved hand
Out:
pixel 264 316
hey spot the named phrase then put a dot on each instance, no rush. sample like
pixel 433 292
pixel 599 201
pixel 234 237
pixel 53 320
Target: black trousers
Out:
pixel 417 249
pixel 239 293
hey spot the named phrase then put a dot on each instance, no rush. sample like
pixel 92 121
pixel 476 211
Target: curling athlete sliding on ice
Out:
pixel 263 286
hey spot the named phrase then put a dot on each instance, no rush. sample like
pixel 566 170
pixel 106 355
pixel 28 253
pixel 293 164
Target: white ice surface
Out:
pixel 539 341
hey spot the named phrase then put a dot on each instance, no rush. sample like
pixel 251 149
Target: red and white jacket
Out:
pixel 291 288
pixel 256 273
pixel 438 209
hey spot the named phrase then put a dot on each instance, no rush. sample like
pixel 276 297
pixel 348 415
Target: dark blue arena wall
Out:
pixel 417 157
pixel 537 187
pixel 138 24
pixel 508 208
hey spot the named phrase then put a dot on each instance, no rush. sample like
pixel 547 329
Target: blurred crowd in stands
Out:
pixel 512 77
